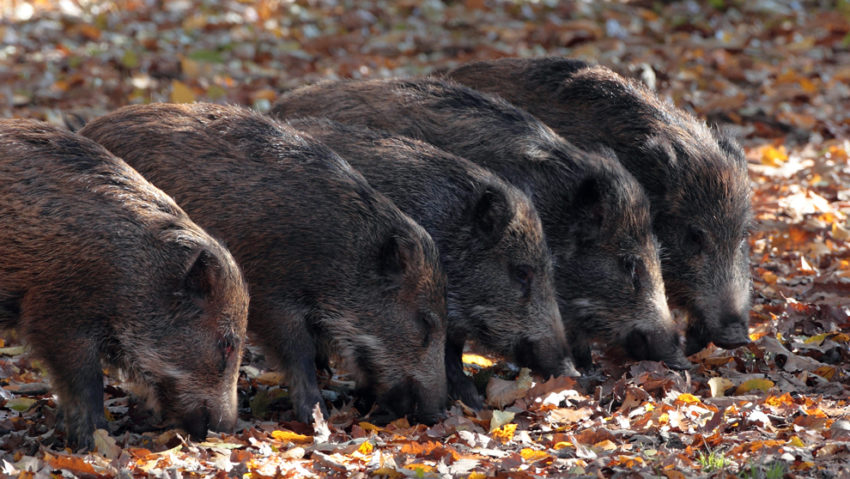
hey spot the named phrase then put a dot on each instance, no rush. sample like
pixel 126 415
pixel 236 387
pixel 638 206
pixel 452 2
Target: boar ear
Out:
pixel 491 214
pixel 587 204
pixel 394 257
pixel 729 146
pixel 74 121
pixel 200 276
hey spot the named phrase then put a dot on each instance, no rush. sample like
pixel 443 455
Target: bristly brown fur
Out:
pixel 595 215
pixel 696 177
pixel 333 265
pixel 98 264
pixel 499 271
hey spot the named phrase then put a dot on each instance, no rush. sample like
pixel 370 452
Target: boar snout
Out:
pixel 546 356
pixel 665 348
pixel 734 332
pixel 196 423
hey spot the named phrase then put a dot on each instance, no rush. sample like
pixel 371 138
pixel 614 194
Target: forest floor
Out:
pixel 776 73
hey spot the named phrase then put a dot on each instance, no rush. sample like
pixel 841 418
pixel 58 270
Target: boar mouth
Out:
pixel 526 354
pixel 699 334
pixel 406 399
pixel 678 363
pixel 196 423
pixel 731 343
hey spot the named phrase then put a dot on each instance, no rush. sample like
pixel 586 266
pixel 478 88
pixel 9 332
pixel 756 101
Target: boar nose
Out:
pixel 196 423
pixel 733 332
pixel 732 343
pixel 678 363
pixel 544 357
pixel 430 418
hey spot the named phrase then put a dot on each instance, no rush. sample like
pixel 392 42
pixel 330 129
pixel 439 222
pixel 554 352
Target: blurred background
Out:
pixel 771 69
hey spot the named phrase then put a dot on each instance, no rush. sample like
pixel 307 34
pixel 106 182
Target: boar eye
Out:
pixel 696 238
pixel 428 321
pixel 226 347
pixel 632 268
pixel 524 276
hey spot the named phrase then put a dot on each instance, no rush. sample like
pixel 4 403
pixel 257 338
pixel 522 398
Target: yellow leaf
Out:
pixel 840 233
pixel 366 448
pixel 841 338
pixel 808 86
pixel 626 461
pixel 477 360
pixel 664 418
pixel 419 467
pixel 476 475
pixel 816 412
pixel 826 372
pixel 12 350
pixel 774 156
pixel 783 400
pixel 20 404
pixel 289 436
pixel 769 277
pixel 562 444
pixel 756 336
pixel 533 455
pixel 796 442
pixel 400 423
pixel 606 445
pixel 718 386
pixel 759 384
pixel 500 418
pixel 386 472
pixel 504 433
pixel 367 426
pixel 270 378
pixel 181 93
pixel 688 399
pixel 802 465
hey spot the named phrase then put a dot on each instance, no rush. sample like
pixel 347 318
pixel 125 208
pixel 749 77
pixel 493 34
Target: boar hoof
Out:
pixel 678 364
pixel 465 392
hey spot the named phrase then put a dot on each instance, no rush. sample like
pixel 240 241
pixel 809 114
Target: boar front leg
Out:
pixel 76 374
pixel 461 386
pixel 285 336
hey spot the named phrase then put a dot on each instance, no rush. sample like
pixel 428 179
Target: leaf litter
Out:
pixel 774 73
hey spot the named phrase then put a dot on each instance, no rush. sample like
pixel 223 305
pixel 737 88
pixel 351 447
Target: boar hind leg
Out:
pixel 461 386
pixel 76 374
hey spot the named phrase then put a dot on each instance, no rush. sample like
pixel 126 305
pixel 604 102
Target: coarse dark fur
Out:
pixel 696 178
pixel 595 216
pixel 333 265
pixel 500 277
pixel 99 265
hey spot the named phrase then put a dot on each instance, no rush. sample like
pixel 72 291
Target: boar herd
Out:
pixel 536 207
